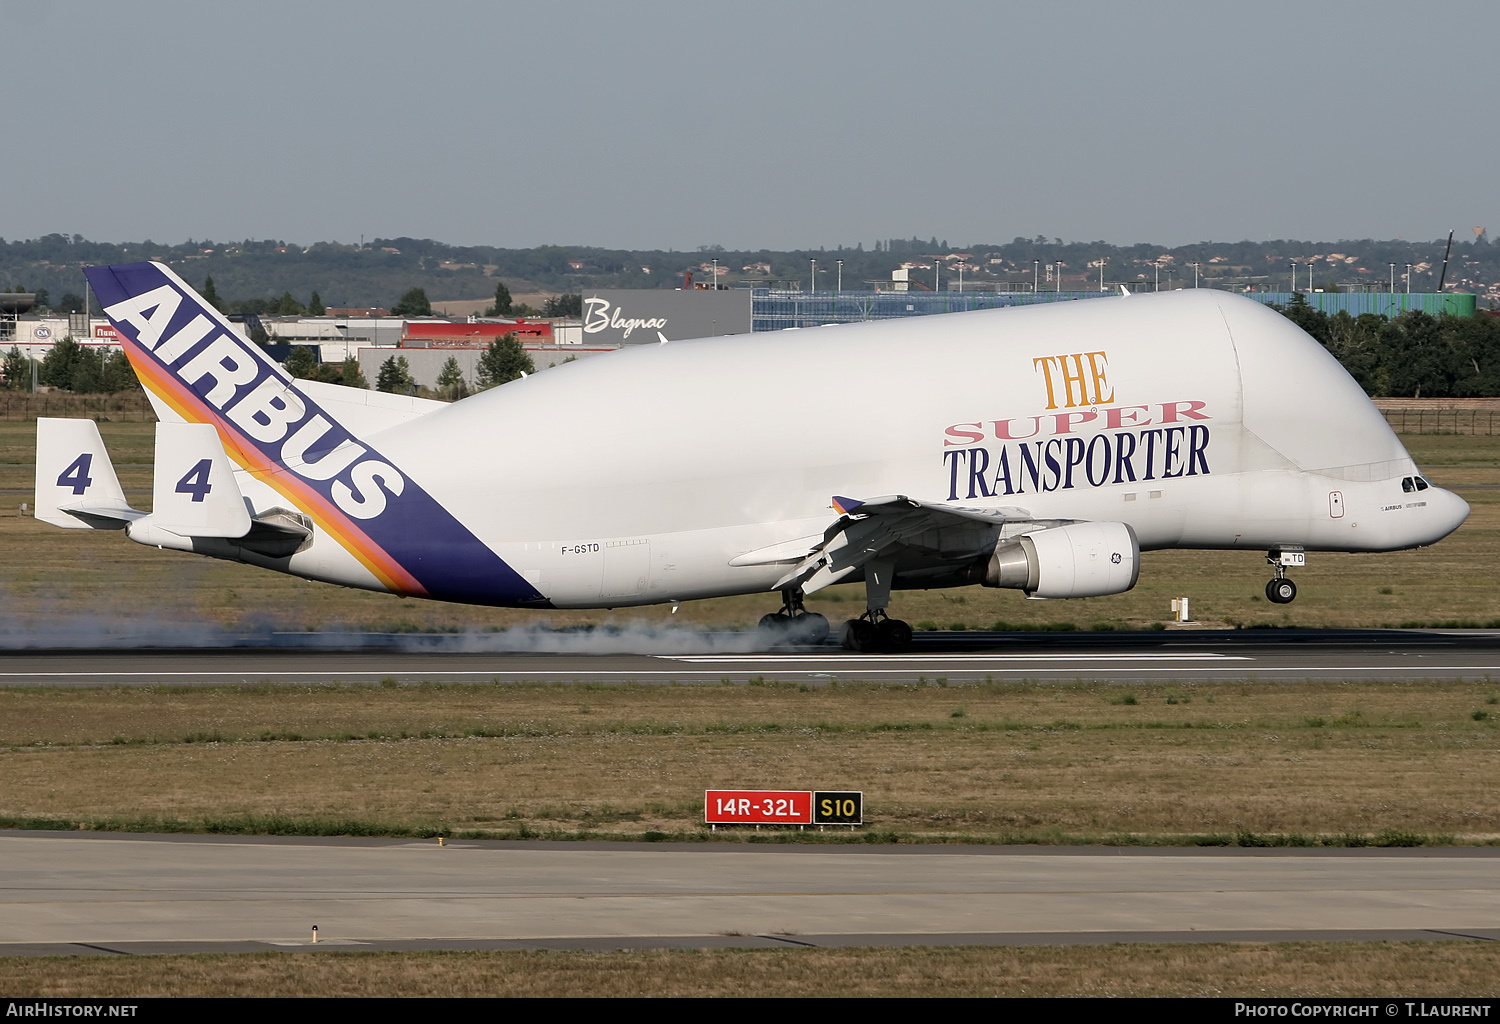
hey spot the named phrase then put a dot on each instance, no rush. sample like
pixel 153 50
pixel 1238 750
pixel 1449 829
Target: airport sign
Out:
pixel 757 807
pixel 841 808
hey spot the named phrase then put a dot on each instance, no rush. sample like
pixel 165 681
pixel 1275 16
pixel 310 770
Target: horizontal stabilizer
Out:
pixel 194 493
pixel 76 486
pixel 103 515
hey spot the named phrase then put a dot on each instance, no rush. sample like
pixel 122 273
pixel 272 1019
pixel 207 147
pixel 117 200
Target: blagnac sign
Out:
pixel 598 317
pixel 641 317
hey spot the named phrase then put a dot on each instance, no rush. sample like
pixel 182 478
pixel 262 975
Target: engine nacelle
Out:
pixel 1077 560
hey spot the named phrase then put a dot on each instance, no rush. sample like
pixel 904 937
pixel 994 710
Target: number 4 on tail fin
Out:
pixel 76 475
pixel 195 481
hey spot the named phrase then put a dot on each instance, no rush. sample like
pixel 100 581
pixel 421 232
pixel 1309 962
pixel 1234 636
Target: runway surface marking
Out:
pixel 830 667
pixel 899 659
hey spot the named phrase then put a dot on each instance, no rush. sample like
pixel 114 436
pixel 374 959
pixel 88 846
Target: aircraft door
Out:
pixel 1336 504
pixel 627 568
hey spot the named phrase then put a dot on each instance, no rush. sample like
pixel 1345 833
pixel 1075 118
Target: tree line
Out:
pixel 1414 355
pixel 69 366
pixel 263 273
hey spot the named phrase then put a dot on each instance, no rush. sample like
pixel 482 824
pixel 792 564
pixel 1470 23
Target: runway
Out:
pixel 66 893
pixel 686 657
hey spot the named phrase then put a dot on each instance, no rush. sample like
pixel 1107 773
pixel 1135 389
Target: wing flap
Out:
pixel 918 533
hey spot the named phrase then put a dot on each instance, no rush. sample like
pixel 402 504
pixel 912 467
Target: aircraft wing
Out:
pixel 920 535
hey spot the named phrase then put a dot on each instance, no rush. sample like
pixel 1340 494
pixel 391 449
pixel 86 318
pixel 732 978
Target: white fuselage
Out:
pixel 639 477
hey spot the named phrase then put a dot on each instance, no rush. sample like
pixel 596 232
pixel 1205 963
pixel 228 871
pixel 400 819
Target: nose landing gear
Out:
pixel 1282 590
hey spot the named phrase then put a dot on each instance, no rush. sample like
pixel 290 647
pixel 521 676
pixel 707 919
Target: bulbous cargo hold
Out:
pixel 1017 447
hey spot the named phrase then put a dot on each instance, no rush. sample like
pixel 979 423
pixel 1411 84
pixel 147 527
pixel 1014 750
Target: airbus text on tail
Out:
pixel 191 359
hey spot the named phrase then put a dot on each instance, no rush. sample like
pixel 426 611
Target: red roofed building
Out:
pixel 437 334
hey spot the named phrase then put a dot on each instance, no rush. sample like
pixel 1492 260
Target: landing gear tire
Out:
pixel 793 624
pixel 857 635
pixel 1281 591
pixel 811 628
pixel 890 636
pixel 893 635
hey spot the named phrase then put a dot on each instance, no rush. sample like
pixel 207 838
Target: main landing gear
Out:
pixel 794 624
pixel 875 630
pixel 1282 590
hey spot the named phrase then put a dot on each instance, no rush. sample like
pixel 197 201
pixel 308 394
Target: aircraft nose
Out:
pixel 1450 508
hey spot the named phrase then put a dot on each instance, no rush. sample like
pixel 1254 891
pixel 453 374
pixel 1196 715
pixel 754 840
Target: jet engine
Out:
pixel 1077 560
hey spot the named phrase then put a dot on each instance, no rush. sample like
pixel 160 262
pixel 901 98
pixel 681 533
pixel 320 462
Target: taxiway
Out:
pixel 130 894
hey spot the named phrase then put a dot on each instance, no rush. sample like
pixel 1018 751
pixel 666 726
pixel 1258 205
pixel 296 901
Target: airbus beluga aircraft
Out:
pixel 1041 448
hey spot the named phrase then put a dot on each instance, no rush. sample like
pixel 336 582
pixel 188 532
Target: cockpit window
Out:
pixel 1422 485
pixel 1407 485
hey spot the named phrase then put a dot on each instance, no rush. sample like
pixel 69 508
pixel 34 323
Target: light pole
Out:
pixel 716 273
pixel 812 277
pixel 937 274
pixel 1102 260
pixel 1058 288
pixel 1157 265
pixel 1393 279
pixel 1036 270
pixel 1195 275
pixel 839 289
pixel 1294 277
pixel 1408 279
pixel 960 277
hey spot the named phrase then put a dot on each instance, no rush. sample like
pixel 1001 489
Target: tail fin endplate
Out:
pixel 76 486
pixel 193 493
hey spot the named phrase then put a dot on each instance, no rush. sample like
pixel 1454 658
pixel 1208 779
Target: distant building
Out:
pixel 479 334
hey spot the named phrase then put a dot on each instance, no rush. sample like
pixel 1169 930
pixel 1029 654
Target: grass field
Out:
pixel 1242 970
pixel 90 579
pixel 1254 764
pixel 1352 762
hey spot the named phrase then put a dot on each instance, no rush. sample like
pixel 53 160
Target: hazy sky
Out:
pixel 766 124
